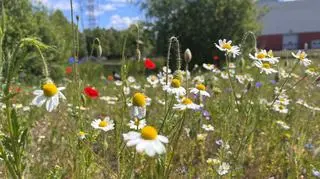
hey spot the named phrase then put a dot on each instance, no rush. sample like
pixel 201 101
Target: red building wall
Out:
pixel 273 42
pixel 307 38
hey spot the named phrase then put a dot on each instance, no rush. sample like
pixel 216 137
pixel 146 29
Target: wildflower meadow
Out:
pixel 256 115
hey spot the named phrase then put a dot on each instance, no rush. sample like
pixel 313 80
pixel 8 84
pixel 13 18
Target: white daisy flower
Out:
pixel 224 75
pixel 262 55
pixel 126 90
pixel 240 78
pixel 223 168
pixel 138 112
pixel 160 101
pixel 272 58
pixel 201 137
pixel 147 141
pixel 26 108
pixel 118 83
pixel 164 69
pixel 312 72
pixel 301 55
pixel 131 79
pixel 164 78
pixel 136 86
pixel 106 124
pixel 198 79
pixel 265 67
pixel 228 48
pixel 283 100
pixel 81 135
pixel 283 125
pixel 208 66
pixel 137 124
pixel 50 95
pixel 17 106
pixel 175 88
pixel 282 92
pixel 248 77
pixel 232 66
pixel 153 80
pixel 186 103
pixel 200 89
pixel 280 108
pixel 207 127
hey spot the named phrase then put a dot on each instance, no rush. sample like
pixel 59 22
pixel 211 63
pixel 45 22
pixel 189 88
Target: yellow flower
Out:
pixel 175 83
pixel 149 133
pixel 201 87
pixel 139 99
pixel 49 89
pixel 186 101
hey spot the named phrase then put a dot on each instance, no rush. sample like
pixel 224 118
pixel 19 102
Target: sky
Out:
pixel 118 14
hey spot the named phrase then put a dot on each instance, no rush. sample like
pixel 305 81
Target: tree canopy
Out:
pixel 200 23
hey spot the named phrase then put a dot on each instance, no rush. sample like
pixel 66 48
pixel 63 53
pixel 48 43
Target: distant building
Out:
pixel 290 25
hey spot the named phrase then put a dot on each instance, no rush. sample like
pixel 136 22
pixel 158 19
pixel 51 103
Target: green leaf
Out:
pixel 23 138
pixel 15 123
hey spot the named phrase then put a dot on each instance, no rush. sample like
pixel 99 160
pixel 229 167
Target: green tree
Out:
pixel 27 20
pixel 200 23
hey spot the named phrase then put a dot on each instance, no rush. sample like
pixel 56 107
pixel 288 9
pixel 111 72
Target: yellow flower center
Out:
pixel 227 46
pixel 201 87
pixel 49 89
pixel 81 133
pixel 103 123
pixel 139 99
pixel 153 78
pixel 261 56
pixel 186 101
pixel 302 56
pixel 266 65
pixel 136 122
pixel 281 107
pixel 175 83
pixel 149 133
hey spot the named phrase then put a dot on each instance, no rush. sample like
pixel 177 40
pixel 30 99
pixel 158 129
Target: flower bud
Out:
pixel 187 55
pixel 138 54
pixel 99 50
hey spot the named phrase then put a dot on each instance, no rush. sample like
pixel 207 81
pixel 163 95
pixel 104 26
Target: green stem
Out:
pixel 175 145
pixel 231 84
pixel 167 113
pixel 281 88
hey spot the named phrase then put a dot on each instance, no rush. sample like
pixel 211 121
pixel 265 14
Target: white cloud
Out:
pixel 121 1
pixel 103 9
pixel 57 4
pixel 124 22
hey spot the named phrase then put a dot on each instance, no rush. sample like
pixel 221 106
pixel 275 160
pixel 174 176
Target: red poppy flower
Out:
pixel 68 70
pixel 91 92
pixel 216 57
pixel 149 64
